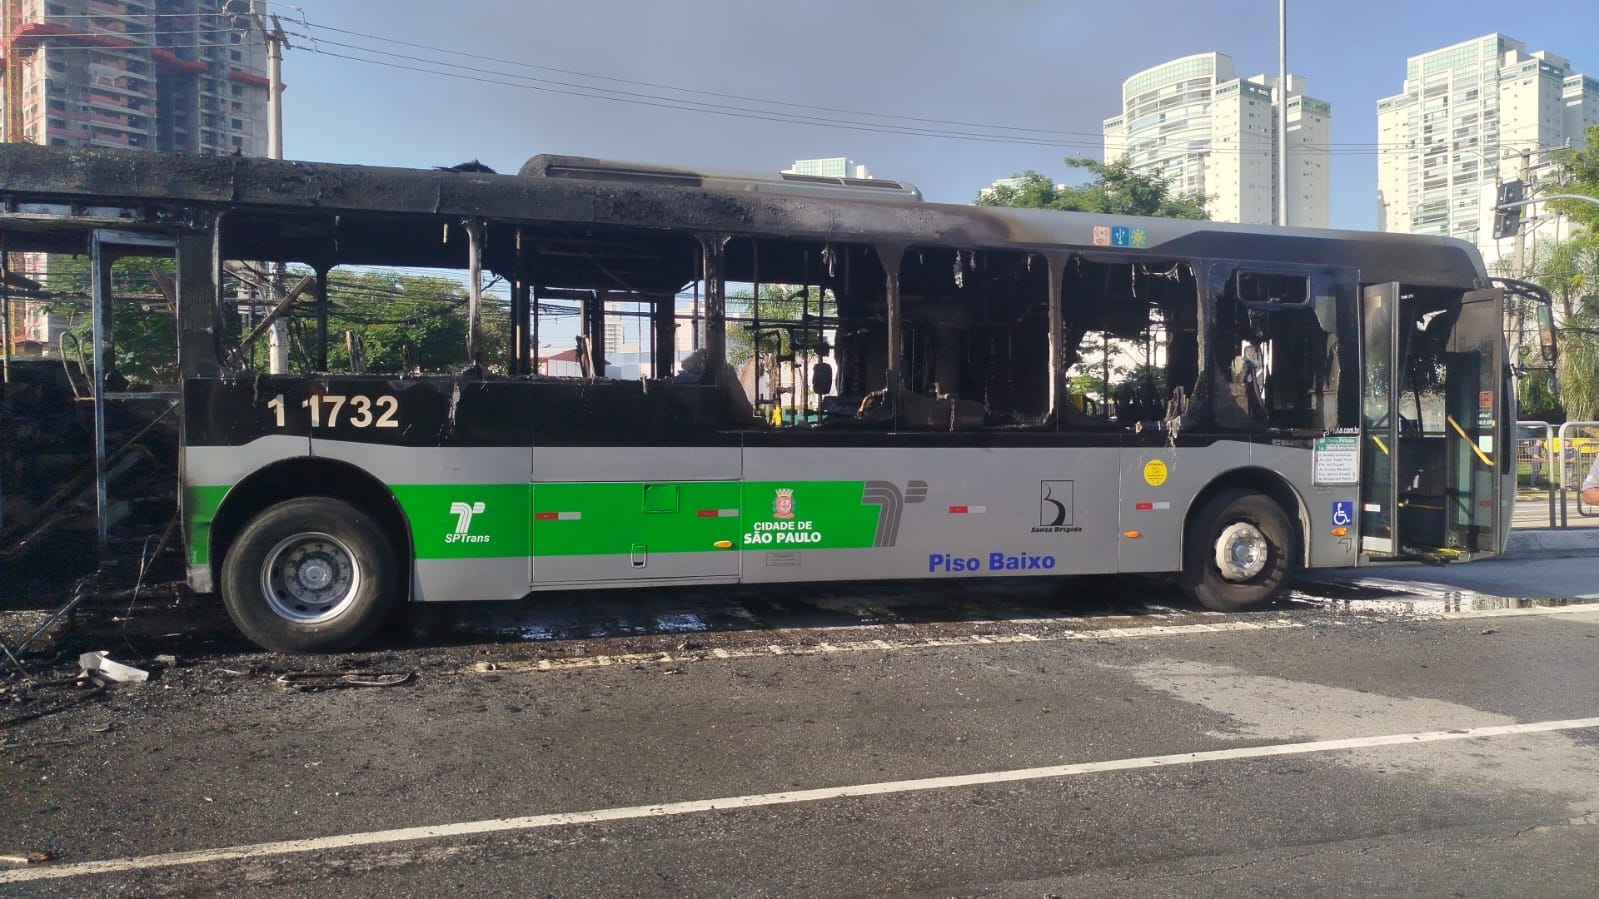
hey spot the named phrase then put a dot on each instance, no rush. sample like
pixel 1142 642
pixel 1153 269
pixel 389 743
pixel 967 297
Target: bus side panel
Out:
pixel 208 473
pixel 1327 506
pixel 836 513
pixel 1158 486
pixel 615 515
pixel 466 509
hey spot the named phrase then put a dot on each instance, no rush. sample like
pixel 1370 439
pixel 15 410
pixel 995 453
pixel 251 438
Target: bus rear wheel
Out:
pixel 1238 552
pixel 313 574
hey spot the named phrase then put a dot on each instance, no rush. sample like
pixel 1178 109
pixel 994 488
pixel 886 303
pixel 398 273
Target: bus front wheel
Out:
pixel 1238 552
pixel 313 574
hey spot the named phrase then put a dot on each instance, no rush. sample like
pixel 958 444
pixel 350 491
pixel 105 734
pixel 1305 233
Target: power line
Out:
pixel 668 87
pixel 422 65
pixel 686 106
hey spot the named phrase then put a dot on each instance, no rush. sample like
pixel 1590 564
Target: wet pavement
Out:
pixel 166 620
pixel 1081 736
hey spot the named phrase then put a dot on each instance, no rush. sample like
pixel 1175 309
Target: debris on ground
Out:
pixel 97 664
pixel 313 681
pixel 29 857
pixel 38 699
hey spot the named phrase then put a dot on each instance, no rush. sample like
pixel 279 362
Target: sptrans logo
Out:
pixel 463 513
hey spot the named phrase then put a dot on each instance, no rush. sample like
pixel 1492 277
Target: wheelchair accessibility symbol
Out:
pixel 1343 512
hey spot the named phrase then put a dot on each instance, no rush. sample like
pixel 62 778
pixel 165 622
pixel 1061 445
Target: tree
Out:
pixel 405 323
pixel 1579 174
pixel 1570 271
pixel 785 310
pixel 144 334
pixel 1114 189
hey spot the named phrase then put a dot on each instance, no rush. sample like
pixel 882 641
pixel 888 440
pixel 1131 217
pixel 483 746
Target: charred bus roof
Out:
pixel 309 201
pixel 584 168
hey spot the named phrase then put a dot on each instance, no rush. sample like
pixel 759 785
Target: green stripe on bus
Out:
pixel 466 521
pixel 200 506
pixel 696 516
pixel 481 521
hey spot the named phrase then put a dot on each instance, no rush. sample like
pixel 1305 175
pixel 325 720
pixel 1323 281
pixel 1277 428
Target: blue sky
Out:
pixel 983 70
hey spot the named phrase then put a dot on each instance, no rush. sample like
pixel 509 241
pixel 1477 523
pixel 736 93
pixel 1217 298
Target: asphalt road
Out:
pixel 1396 733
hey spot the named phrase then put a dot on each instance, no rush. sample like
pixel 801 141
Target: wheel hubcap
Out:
pixel 1241 552
pixel 310 578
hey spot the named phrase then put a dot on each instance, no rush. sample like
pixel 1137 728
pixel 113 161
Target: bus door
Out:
pixel 143 256
pixel 1474 384
pixel 1431 401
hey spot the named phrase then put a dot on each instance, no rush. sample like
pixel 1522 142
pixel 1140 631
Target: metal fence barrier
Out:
pixel 1535 461
pixel 1577 446
pixel 1552 462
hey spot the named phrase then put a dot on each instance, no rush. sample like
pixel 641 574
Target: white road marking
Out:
pixel 668 809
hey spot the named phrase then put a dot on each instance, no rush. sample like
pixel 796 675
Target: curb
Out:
pixel 1535 542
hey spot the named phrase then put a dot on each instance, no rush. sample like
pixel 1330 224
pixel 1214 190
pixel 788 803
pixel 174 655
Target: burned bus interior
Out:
pixel 730 328
pixel 782 332
pixel 743 332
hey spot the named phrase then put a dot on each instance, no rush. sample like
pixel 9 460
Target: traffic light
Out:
pixel 1508 221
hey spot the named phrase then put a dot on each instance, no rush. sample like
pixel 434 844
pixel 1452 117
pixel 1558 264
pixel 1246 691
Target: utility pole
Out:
pixel 276 42
pixel 1520 263
pixel 1282 113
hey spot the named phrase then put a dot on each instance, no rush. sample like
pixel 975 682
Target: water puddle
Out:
pixel 1384 596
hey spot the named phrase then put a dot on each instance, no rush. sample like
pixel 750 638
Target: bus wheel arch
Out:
pixel 1243 537
pixel 339 527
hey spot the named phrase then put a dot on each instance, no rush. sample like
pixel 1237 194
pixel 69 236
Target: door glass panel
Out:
pixel 1472 400
pixel 1378 305
pixel 1426 321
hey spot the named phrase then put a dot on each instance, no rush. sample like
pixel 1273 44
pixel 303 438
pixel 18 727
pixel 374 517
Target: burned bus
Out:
pixel 830 380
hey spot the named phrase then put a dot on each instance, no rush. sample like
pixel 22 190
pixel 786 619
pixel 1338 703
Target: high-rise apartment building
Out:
pixel 181 75
pixel 829 167
pixel 187 76
pixel 1212 133
pixel 1471 116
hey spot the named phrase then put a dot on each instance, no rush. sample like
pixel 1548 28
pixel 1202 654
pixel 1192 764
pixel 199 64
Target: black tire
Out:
pixel 313 574
pixel 1254 532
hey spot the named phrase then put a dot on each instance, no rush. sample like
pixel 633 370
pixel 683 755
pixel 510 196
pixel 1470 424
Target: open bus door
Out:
pixel 1479 425
pixel 1432 399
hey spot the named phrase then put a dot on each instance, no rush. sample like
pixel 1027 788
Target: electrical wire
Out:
pixel 946 128
pixel 919 127
pixel 668 87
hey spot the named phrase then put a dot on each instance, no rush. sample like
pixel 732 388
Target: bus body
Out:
pixel 1304 398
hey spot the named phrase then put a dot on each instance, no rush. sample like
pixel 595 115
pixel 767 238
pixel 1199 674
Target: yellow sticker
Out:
pixel 1154 472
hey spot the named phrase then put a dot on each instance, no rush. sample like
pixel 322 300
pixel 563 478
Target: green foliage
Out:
pixel 405 323
pixel 1115 189
pixel 1536 399
pixel 1579 174
pixel 144 344
pixel 1579 361
pixel 780 304
pixel 1570 271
